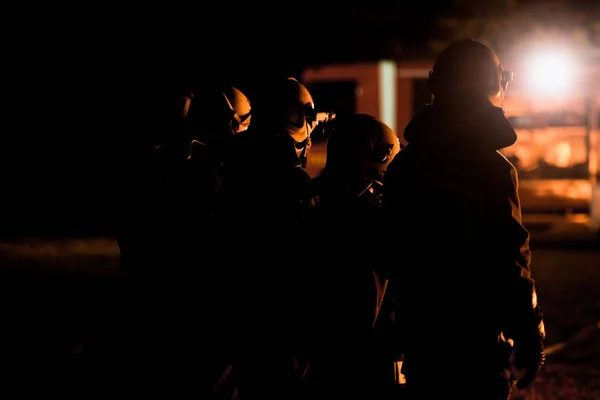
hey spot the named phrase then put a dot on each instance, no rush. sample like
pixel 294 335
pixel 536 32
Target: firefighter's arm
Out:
pixel 525 322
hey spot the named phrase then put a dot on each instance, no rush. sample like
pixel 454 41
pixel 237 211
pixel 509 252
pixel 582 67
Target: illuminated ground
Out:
pixel 70 283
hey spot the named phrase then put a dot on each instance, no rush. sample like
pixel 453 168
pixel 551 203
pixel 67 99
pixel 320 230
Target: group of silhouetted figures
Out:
pixel 246 278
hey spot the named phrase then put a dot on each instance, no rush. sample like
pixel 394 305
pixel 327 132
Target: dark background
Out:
pixel 81 83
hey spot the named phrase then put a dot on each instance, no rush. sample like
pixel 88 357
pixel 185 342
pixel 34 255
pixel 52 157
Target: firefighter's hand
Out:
pixel 529 359
pixel 528 377
pixel 529 345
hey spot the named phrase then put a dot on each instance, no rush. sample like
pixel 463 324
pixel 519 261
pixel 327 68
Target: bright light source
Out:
pixel 551 73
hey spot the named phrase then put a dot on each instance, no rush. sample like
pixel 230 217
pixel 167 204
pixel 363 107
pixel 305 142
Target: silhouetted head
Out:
pixel 215 113
pixel 286 116
pixel 240 109
pixel 468 68
pixel 158 115
pixel 359 149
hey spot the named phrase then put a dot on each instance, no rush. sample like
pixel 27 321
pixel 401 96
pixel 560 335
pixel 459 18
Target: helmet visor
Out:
pixel 240 123
pixel 505 77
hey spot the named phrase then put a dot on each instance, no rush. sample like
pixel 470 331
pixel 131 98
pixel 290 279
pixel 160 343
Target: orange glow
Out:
pixel 572 189
pixel 559 155
pixel 555 194
pixel 559 146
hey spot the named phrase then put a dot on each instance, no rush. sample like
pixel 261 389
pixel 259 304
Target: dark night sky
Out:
pixel 76 79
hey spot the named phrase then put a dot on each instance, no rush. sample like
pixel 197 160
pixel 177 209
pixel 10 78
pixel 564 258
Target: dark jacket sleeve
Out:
pixel 512 238
pixel 524 319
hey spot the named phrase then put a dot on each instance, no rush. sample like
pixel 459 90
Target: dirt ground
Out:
pixel 77 274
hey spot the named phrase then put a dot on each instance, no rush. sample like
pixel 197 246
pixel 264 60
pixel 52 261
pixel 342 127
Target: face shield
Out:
pixel 300 121
pixel 299 124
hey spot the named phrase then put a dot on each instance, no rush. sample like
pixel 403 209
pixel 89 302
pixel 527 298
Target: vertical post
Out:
pixel 387 93
pixel 593 147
